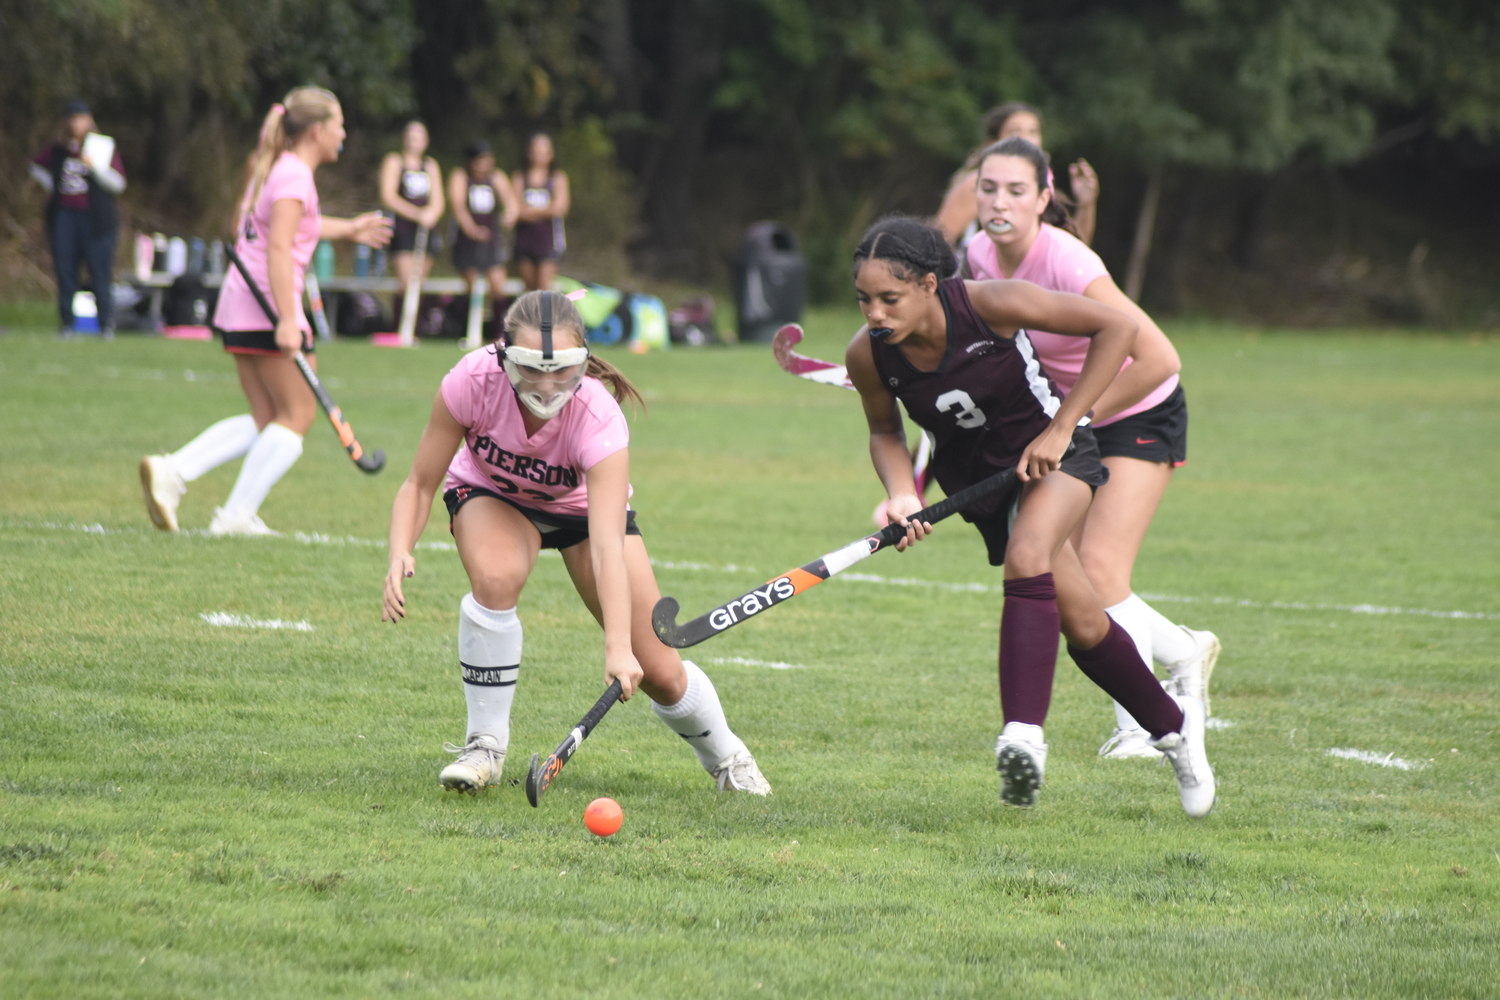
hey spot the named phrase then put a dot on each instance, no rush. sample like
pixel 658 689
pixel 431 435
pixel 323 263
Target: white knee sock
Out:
pixel 225 441
pixel 1169 643
pixel 489 655
pixel 274 452
pixel 699 719
pixel 1130 615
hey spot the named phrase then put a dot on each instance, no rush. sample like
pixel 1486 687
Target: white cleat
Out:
pixel 164 489
pixel 1127 744
pixel 225 523
pixel 1021 759
pixel 1189 758
pixel 738 773
pixel 1190 676
pixel 479 764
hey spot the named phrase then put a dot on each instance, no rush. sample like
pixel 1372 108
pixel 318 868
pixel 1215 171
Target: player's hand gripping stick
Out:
pixel 539 778
pixel 794 582
pixel 374 461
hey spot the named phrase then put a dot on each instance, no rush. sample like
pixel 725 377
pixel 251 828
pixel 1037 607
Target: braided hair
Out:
pixel 1055 213
pixel 911 248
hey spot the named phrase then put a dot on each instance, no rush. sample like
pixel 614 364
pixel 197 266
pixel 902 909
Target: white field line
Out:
pixel 1371 757
pixel 871 578
pixel 746 662
pixel 220 619
pixel 1216 723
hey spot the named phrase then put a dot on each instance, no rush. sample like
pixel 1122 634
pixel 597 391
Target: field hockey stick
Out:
pixel 315 303
pixel 818 370
pixel 407 331
pixel 373 462
pixel 539 778
pixel 796 364
pixel 795 581
pixel 472 340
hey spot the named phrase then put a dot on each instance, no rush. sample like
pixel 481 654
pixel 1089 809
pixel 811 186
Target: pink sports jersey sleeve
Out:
pixel 602 429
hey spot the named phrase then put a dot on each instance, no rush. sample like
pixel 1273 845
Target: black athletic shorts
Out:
pixel 1155 435
pixel 404 238
pixel 1084 465
pixel 559 531
pixel 471 256
pixel 261 342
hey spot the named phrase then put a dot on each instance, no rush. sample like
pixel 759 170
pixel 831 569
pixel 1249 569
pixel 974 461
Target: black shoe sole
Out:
pixel 1019 777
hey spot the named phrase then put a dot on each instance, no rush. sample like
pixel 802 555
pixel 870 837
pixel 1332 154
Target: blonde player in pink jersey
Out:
pixel 542 462
pixel 1140 421
pixel 278 229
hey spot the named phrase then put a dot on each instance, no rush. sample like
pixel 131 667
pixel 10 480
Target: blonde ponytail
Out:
pixel 302 108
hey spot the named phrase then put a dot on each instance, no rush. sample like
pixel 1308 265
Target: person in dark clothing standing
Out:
pixel 82 219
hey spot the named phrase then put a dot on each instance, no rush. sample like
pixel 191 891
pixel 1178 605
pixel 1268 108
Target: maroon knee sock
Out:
pixel 1028 649
pixel 1115 665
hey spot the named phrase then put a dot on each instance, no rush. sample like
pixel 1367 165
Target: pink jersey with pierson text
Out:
pixel 237 309
pixel 1059 262
pixel 546 471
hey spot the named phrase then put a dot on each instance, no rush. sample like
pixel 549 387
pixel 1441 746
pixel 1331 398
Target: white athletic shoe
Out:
pixel 1021 759
pixel 225 523
pixel 1190 676
pixel 479 763
pixel 738 773
pixel 164 489
pixel 1127 744
pixel 1189 757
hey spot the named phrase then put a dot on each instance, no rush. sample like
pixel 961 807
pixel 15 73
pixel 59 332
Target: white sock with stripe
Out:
pixel 699 719
pixel 225 441
pixel 275 451
pixel 1130 615
pixel 489 655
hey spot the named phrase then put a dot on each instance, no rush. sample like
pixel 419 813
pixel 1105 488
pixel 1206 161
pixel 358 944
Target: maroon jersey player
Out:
pixel 956 354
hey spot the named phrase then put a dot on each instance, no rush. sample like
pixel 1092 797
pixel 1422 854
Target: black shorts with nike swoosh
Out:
pixel 1155 435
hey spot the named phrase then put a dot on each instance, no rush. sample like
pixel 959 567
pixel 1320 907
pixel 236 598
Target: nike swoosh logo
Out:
pixel 1141 440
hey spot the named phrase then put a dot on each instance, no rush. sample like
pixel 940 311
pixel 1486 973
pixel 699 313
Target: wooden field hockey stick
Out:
pixel 373 462
pixel 539 778
pixel 407 331
pixel 828 373
pixel 795 581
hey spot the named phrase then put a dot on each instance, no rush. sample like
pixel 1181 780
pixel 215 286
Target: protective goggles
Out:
pixel 545 380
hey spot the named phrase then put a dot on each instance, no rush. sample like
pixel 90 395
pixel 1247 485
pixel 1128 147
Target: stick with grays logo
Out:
pixel 795 581
pixel 374 461
pixel 539 778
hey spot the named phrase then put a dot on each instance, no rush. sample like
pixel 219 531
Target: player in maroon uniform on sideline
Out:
pixel 956 354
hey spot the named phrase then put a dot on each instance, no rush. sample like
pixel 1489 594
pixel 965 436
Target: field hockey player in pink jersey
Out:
pixel 278 229
pixel 542 461
pixel 1140 421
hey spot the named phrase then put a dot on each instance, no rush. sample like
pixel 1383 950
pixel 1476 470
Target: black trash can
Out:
pixel 770 282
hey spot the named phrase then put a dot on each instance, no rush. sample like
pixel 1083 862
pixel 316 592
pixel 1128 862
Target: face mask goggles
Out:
pixel 545 380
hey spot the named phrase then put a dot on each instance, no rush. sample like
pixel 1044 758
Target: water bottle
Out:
pixel 159 252
pixel 361 261
pixel 216 257
pixel 323 260
pixel 176 255
pixel 195 255
pixel 381 262
pixel 145 256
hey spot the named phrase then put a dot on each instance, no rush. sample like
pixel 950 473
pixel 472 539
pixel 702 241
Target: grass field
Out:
pixel 189 810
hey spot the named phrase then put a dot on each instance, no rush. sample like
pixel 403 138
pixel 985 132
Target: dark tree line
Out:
pixel 711 113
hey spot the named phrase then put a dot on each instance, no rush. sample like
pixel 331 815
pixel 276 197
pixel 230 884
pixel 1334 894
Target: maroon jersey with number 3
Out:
pixel 984 403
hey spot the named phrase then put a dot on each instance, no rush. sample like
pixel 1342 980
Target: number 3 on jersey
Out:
pixel 968 416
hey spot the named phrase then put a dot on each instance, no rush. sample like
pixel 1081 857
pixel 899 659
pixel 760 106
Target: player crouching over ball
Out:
pixel 544 464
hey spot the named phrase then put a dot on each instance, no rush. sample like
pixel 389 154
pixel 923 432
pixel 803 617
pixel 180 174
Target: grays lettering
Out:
pixel 752 603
